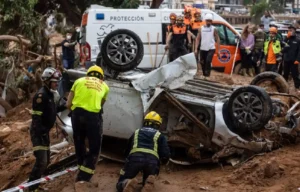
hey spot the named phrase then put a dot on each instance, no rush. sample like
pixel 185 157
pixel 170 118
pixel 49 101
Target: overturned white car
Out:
pixel 203 120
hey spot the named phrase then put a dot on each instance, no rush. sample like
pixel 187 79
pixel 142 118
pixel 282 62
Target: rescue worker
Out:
pixel 177 35
pixel 187 20
pixel 168 29
pixel 187 15
pixel 258 52
pixel 272 51
pixel 147 148
pixel 208 35
pixel 44 110
pixel 194 26
pixel 86 99
pixel 292 57
pixel 68 51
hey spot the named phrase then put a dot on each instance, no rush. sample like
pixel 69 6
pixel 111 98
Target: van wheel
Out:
pixel 237 68
pixel 122 50
pixel 271 81
pixel 250 109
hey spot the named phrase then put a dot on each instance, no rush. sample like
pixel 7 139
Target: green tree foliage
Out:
pixel 18 16
pixel 258 9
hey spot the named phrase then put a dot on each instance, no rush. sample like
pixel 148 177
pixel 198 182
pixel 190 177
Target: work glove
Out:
pixel 296 62
pixel 248 51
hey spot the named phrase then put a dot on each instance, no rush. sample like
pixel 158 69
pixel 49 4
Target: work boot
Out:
pixel 244 72
pixel 131 185
pixel 149 184
pixel 250 72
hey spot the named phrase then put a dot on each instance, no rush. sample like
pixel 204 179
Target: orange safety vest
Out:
pixel 179 30
pixel 187 21
pixel 196 25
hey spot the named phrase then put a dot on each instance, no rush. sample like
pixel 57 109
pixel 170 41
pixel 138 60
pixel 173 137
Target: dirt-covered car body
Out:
pixel 200 118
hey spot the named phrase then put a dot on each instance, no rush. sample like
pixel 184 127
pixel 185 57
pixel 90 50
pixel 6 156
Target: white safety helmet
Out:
pixel 208 16
pixel 51 74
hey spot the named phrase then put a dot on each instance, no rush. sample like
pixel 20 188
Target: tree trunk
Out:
pixel 155 4
pixel 71 12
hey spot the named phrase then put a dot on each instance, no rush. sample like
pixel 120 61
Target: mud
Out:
pixel 274 171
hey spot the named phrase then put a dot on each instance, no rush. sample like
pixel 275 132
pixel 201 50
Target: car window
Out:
pixel 221 33
pixel 230 35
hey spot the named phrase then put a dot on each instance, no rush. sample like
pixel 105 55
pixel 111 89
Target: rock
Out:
pixel 271 168
pixel 166 182
pixel 82 186
pixel 4 131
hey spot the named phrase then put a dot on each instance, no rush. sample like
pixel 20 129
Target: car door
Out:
pixel 228 47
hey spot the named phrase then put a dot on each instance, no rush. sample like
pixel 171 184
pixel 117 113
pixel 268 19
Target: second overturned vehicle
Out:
pixel 204 121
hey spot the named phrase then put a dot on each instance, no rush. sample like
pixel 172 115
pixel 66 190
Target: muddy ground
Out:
pixel 275 171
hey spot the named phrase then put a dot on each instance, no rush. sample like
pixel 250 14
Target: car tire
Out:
pixel 280 83
pixel 237 68
pixel 135 57
pixel 257 110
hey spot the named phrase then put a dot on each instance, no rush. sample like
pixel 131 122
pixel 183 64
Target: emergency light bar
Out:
pixel 99 16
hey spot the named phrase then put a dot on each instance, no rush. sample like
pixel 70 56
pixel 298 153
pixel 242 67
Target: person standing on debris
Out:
pixel 44 110
pixel 177 35
pixel 68 51
pixel 86 100
pixel 266 19
pixel 147 147
pixel 272 51
pixel 208 35
pixel 173 17
pixel 291 57
pixel 247 45
pixel 258 52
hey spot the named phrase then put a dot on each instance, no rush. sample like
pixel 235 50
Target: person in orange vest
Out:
pixel 194 26
pixel 178 35
pixel 272 50
pixel 173 17
pixel 187 15
pixel 187 20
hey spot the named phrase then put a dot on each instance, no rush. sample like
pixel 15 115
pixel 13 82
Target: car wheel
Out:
pixel 237 68
pixel 271 81
pixel 122 50
pixel 249 108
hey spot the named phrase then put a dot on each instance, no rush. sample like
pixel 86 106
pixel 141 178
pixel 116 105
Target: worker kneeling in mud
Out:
pixel 86 99
pixel 147 148
pixel 44 110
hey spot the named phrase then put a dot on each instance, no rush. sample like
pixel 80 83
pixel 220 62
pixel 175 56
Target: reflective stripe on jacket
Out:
pixel 276 47
pixel 146 141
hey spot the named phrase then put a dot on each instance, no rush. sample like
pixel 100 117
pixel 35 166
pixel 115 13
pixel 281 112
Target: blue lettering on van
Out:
pixel 126 18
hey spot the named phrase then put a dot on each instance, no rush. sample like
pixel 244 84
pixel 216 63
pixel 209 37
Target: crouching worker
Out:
pixel 147 148
pixel 86 99
pixel 44 110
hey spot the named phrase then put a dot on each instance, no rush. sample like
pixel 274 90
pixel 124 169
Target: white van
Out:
pixel 124 39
